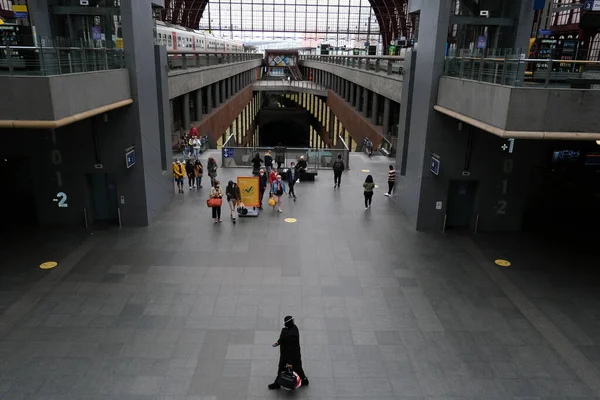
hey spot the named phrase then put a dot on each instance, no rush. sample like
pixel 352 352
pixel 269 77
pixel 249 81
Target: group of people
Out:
pixel 194 170
pixel 191 144
pixel 369 186
pixel 234 198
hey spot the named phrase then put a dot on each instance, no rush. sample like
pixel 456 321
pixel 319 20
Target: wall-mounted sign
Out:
pixel 481 42
pixel 434 166
pixel 84 2
pixel 96 33
pixel 591 5
pixel 20 10
pixel 130 157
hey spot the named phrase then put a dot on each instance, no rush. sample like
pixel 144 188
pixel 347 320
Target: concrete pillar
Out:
pixel 218 99
pixel 209 99
pixel 199 104
pixel 346 91
pixel 230 86
pixel 375 109
pixel 186 112
pixel 386 116
pixel 172 116
pixel 331 127
pixel 365 105
pixel 223 91
pixel 358 98
pixel 352 93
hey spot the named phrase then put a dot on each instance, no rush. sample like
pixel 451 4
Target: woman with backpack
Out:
pixel 232 191
pixel 338 168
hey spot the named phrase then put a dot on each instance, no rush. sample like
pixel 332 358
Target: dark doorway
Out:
pixel 289 126
pixel 461 202
pixel 17 197
pixel 103 192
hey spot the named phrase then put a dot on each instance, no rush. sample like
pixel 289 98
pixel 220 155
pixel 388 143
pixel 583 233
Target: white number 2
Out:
pixel 63 199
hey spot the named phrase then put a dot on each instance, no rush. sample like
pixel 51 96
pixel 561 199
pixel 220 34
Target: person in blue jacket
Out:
pixel 278 189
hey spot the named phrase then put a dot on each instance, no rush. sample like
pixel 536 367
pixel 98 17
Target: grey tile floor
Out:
pixel 185 309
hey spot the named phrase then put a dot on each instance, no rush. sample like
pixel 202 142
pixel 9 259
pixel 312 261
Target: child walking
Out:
pixel 368 186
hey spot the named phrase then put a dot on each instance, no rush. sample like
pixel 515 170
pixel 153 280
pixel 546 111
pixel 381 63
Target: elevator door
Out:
pixel 461 203
pixel 104 198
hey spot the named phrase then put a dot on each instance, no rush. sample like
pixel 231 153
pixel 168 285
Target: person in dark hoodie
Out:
pixel 262 183
pixel 289 351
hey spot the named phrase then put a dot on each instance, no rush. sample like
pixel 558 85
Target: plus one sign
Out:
pixel 504 147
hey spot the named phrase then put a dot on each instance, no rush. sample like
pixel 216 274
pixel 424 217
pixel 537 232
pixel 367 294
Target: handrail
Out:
pixel 393 58
pixel 525 60
pixel 191 51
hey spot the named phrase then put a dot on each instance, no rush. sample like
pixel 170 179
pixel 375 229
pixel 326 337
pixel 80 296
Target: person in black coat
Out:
pixel 256 161
pixel 289 351
pixel 262 184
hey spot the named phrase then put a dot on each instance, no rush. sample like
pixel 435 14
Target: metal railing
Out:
pixel 199 59
pixel 240 157
pixel 388 65
pixel 44 61
pixel 511 68
pixel 283 83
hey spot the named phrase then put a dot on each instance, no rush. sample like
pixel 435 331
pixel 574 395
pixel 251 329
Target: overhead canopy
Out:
pixel 392 16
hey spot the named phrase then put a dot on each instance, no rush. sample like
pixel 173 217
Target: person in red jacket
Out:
pixel 272 177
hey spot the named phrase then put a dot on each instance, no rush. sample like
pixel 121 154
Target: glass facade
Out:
pixel 302 23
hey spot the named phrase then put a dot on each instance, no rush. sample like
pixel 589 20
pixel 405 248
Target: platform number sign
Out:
pixel 56 158
pixel 434 165
pixel 591 5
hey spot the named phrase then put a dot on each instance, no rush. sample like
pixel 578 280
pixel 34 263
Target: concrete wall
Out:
pixel 355 123
pixel 151 186
pixel 387 86
pixel 219 120
pixel 520 108
pixel 185 81
pixel 49 98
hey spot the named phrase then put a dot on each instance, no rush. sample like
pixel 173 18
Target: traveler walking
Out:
pixel 279 155
pixel 198 172
pixel 178 174
pixel 278 190
pixel 292 176
pixel 338 168
pixel 262 183
pixel 189 170
pixel 256 161
pixel 268 161
pixel 272 176
pixel 212 170
pixel 216 193
pixel 391 180
pixel 289 352
pixel 234 197
pixel 368 186
pixel 196 146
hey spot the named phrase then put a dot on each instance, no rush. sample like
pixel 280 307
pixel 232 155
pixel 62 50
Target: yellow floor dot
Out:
pixel 290 220
pixel 502 263
pixel 365 170
pixel 376 186
pixel 48 265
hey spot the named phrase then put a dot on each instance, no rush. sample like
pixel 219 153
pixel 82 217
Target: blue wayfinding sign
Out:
pixel 434 166
pixel 481 42
pixel 591 5
pixel 545 32
pixel 130 157
pixel 228 153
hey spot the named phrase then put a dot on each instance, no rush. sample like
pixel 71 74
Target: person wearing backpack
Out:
pixel 338 168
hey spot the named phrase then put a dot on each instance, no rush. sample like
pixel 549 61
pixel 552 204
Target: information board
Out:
pixel 250 191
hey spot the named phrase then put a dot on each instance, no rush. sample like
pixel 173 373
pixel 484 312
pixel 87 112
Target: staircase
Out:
pixel 295 71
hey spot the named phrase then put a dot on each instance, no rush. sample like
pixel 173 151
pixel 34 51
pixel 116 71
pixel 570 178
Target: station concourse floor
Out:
pixel 188 310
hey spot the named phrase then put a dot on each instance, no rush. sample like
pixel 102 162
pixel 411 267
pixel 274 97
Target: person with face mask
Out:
pixel 278 190
pixel 178 174
pixel 262 183
pixel 289 351
pixel 232 191
pixel 216 192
